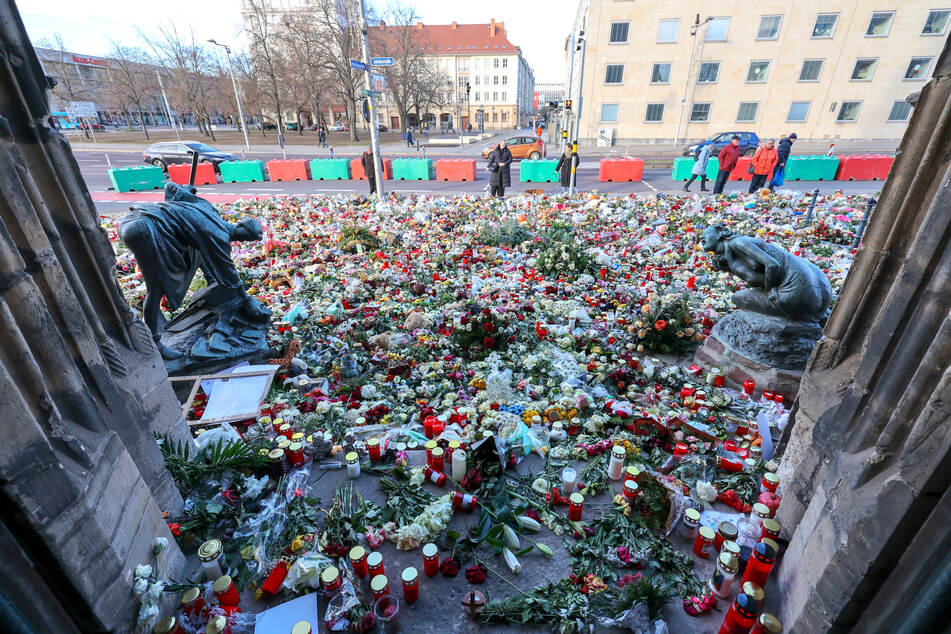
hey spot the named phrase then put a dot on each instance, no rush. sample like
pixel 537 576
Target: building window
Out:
pixel 864 69
pixel 709 71
pixel 495 62
pixel 495 96
pixel 505 117
pixel 609 112
pixel 849 111
pixel 880 24
pixel 477 96
pixel 660 74
pixel 918 68
pixel 700 113
pixel 504 95
pixel 495 117
pixel 798 110
pixel 505 63
pixel 477 78
pixel 667 31
pixel 655 113
pixel 900 111
pixel 825 25
pixel 717 30
pixel 619 31
pixel 937 22
pixel 505 79
pixel 769 27
pixel 757 72
pixel 614 73
pixel 747 112
pixel 811 69
pixel 495 80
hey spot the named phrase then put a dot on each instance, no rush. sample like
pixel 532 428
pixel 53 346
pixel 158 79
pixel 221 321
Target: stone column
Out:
pixel 82 388
pixel 866 458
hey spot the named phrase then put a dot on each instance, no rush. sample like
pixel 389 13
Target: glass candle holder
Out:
pixel 386 609
pixel 569 478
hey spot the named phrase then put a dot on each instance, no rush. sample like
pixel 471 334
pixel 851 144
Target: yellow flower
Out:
pixel 297 544
pixel 258 595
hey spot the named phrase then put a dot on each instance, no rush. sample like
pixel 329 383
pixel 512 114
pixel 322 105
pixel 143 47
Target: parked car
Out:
pixel 268 125
pixel 336 127
pixel 748 143
pixel 521 147
pixel 164 154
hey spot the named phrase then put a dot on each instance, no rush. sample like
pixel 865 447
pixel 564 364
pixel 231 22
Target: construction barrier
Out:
pixel 204 175
pixel 137 179
pixel 683 168
pixel 538 171
pixel 356 169
pixel 620 169
pixel 412 169
pixel 288 170
pixel 811 168
pixel 864 167
pixel 741 171
pixel 330 169
pixel 455 169
pixel 242 171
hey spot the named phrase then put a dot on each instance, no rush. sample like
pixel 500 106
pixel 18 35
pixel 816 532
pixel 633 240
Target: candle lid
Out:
pixel 707 533
pixel 770 477
pixel 769 623
pixel 374 559
pixel 749 462
pixel 190 595
pixel 357 553
pixel 378 583
pixel 353 456
pixel 373 442
pixel 285 427
pixel 165 625
pixel 454 444
pixel 633 471
pixel 772 466
pixel 401 446
pixel 619 451
pixel 278 421
pixel 430 445
pixel 216 625
pixel 730 546
pixel 768 542
pixel 692 515
pixel 329 575
pixel 221 584
pixel 728 530
pixel 576 498
pixel 295 446
pixel 301 627
pixel 771 525
pixel 283 443
pixel 410 575
pixel 761 509
pixel 298 436
pixel 438 452
pixel 275 454
pixel 209 550
pixel 430 550
pixel 729 561
pixel 752 590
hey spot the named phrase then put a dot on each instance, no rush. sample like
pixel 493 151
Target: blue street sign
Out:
pixel 358 65
pixel 381 61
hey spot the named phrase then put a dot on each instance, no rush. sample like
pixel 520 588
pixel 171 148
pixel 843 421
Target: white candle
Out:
pixel 568 478
pixel 616 466
pixel 458 465
pixel 353 464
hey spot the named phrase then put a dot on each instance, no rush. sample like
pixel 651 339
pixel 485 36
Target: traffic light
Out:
pixel 567 104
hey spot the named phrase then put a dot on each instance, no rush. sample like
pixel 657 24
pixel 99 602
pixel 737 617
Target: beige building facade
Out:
pixel 826 70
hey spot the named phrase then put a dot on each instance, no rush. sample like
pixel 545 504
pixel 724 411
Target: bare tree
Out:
pixel 68 84
pixel 250 88
pixel 267 54
pixel 339 21
pixel 405 44
pixel 310 80
pixel 130 80
pixel 428 90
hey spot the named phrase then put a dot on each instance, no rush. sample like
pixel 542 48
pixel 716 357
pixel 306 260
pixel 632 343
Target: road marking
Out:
pixel 649 185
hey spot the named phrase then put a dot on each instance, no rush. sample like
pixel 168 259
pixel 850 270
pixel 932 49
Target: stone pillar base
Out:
pixel 738 368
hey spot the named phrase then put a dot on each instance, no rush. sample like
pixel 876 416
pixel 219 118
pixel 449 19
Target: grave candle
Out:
pixel 358 560
pixel 762 560
pixel 723 575
pixel 373 448
pixel 226 592
pixel 302 627
pixel 630 490
pixel 436 477
pixel 168 626
pixel 766 623
pixel 379 586
pixel 330 578
pixel 463 501
pixel 430 445
pixel 192 602
pixel 295 454
pixel 458 465
pixel 616 466
pixel 568 479
pixel 689 524
pixel 439 462
pixel 575 507
pixel 742 613
pixel 353 464
pixel 375 565
pixel 703 544
pixel 209 555
pixel 410 585
pixel 430 560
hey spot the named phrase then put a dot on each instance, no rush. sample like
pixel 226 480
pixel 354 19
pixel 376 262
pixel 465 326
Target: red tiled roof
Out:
pixel 460 39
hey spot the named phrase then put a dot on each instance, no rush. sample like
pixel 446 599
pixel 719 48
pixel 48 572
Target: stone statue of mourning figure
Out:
pixel 171 240
pixel 779 313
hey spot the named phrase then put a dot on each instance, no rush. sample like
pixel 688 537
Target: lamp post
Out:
pixel 582 46
pixel 693 47
pixel 244 125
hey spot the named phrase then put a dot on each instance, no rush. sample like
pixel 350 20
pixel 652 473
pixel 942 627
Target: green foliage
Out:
pixel 614 601
pixel 509 232
pixel 558 605
pixel 665 327
pixel 211 462
pixel 563 257
pixel 352 235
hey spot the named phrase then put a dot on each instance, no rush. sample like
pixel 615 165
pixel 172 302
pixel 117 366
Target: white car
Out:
pixel 337 127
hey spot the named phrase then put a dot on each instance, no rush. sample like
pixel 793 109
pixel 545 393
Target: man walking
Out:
pixel 728 157
pixel 369 168
pixel 764 161
pixel 321 137
pixel 782 151
pixel 409 137
pixel 500 175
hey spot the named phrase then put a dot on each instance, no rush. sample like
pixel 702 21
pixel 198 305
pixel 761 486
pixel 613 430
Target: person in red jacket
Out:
pixel 727 157
pixel 764 161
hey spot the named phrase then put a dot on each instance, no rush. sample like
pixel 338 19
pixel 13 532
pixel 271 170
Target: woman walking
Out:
pixel 764 161
pixel 565 163
pixel 700 169
pixel 500 161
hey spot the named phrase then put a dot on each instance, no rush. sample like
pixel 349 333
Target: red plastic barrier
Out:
pixel 356 169
pixel 204 175
pixel 740 170
pixel 288 170
pixel 864 167
pixel 455 169
pixel 621 169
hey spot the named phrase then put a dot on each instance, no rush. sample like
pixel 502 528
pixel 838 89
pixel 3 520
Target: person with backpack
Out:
pixel 782 151
pixel 700 169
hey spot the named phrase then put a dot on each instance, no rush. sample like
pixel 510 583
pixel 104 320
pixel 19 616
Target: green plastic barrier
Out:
pixel 412 169
pixel 137 179
pixel 242 171
pixel 683 168
pixel 330 169
pixel 538 171
pixel 811 168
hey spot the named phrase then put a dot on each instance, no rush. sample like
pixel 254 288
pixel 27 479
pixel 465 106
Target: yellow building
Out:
pixel 825 69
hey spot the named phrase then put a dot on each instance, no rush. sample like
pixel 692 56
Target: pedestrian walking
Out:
pixel 764 161
pixel 468 127
pixel 699 169
pixel 565 163
pixel 728 157
pixel 369 168
pixel 538 130
pixel 321 137
pixel 500 162
pixel 409 137
pixel 782 151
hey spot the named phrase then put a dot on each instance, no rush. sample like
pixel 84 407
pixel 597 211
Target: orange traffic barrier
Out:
pixel 621 169
pixel 357 173
pixel 741 170
pixel 460 169
pixel 864 167
pixel 288 170
pixel 204 175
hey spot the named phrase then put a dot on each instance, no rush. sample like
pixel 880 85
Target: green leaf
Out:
pixel 525 551
pixel 453 535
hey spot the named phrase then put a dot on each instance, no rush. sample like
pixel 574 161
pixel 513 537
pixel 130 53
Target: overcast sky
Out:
pixel 537 26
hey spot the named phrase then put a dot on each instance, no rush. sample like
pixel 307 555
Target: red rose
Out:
pixel 488 342
pixel 175 528
pixel 489 327
pixel 660 324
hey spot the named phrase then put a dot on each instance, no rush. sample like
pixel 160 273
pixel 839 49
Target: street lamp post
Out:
pixel 583 47
pixel 693 47
pixel 371 105
pixel 234 83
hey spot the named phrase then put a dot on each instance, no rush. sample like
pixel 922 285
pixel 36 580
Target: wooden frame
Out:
pixel 196 384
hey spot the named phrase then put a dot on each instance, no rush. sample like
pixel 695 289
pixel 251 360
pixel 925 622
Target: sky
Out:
pixel 537 26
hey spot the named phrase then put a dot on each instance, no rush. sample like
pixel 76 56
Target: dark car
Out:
pixel 165 154
pixel 748 143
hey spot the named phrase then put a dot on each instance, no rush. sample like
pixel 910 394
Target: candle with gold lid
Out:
pixel 192 602
pixel 168 626
pixel 209 555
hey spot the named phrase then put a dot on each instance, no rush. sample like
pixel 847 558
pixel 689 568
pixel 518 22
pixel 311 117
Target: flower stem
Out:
pixel 497 574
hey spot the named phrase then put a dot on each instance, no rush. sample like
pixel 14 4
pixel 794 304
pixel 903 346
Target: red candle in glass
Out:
pixel 703 544
pixel 430 445
pixel 729 464
pixel 574 427
pixel 575 507
pixel 430 560
pixel 719 381
pixel 630 490
pixel 379 586
pixel 771 529
pixel 436 477
pixel 428 426
pixel 225 591
pixel 192 602
pixel 767 395
pixel 748 386
pixel 438 428
pixel 680 450
pixel 374 449
pixel 295 454
pixel 761 562
pixel 463 501
pixel 358 560
pixel 330 578
pixel 410 585
pixel 779 398
pixel 742 613
pixel 691 282
pixel 438 463
pixel 375 565
pixel 631 473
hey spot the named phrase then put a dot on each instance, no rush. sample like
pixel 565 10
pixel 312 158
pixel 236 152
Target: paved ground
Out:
pixel 94 165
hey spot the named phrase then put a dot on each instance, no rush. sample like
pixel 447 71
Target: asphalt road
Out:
pixel 94 166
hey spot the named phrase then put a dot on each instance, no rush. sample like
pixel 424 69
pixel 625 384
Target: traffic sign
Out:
pixel 81 109
pixel 381 61
pixel 378 82
pixel 357 64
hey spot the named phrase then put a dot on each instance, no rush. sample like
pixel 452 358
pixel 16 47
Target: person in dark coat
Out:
pixel 321 137
pixel 409 137
pixel 782 150
pixel 500 163
pixel 369 168
pixel 567 160
pixel 728 157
